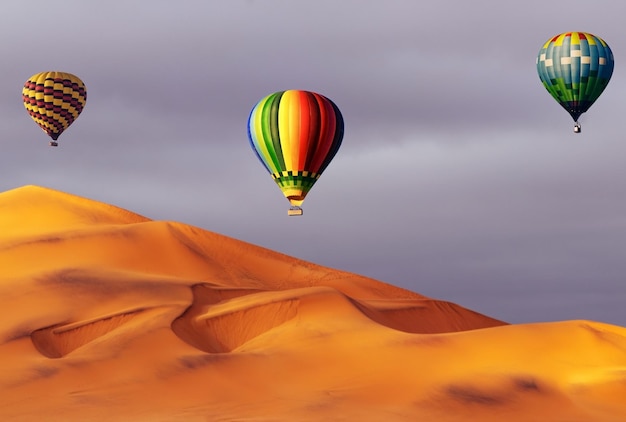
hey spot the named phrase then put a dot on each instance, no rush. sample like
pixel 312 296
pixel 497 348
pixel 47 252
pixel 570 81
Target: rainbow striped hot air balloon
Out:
pixel 295 134
pixel 575 67
pixel 54 100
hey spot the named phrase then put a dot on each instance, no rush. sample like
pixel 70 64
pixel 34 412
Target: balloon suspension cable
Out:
pixel 294 210
pixel 577 127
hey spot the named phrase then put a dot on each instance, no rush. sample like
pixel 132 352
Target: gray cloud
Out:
pixel 459 177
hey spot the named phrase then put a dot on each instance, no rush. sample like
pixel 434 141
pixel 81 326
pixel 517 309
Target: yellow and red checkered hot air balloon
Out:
pixel 54 100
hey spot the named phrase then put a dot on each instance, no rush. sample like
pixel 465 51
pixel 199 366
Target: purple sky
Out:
pixel 459 177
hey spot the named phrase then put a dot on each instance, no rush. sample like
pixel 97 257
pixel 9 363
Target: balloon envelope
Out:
pixel 575 67
pixel 295 134
pixel 54 100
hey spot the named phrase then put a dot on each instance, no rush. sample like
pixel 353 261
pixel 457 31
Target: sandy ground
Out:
pixel 107 315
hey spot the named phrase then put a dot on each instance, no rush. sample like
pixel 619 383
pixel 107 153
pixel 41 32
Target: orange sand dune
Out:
pixel 108 315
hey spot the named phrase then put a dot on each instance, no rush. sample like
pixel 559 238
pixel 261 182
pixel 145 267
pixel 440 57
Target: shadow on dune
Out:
pixel 222 319
pixel 59 340
pixel 213 326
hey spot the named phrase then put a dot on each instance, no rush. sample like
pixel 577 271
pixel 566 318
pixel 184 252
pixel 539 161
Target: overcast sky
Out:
pixel 459 177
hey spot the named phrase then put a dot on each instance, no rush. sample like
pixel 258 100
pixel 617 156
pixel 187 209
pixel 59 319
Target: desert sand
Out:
pixel 108 315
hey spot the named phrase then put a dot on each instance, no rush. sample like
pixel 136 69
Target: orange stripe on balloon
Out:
pixel 298 135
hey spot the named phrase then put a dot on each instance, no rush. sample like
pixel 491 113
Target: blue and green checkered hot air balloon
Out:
pixel 575 67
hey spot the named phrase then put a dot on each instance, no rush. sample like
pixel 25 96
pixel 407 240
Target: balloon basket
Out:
pixel 577 127
pixel 294 211
pixel 54 144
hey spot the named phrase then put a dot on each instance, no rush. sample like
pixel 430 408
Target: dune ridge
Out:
pixel 59 340
pixel 108 315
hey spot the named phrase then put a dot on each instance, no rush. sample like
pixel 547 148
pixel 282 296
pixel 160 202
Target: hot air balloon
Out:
pixel 295 134
pixel 54 100
pixel 575 67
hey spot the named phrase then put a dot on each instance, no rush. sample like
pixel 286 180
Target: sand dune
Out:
pixel 108 315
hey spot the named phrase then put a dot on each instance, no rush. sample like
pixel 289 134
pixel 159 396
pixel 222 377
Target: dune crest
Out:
pixel 221 327
pixel 58 341
pixel 108 315
pixel 47 209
